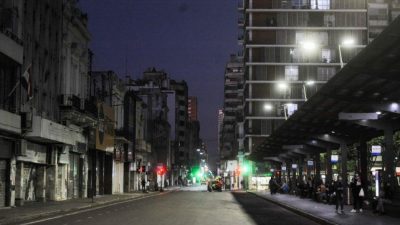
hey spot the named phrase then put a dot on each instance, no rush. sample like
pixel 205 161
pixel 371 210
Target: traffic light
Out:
pixel 161 170
pixel 237 171
pixel 245 168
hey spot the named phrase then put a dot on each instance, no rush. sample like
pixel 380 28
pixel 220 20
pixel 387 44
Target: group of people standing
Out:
pixel 357 192
pixel 334 192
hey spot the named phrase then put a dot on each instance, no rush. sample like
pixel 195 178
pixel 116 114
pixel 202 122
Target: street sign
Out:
pixel 334 158
pixel 310 163
pixel 283 168
pixel 358 116
pixel 376 150
pixel 294 166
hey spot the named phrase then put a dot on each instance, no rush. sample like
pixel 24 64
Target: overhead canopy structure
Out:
pixel 369 83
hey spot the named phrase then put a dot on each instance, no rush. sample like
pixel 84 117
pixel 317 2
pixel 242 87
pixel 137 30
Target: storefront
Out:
pixel 101 151
pixel 6 147
pixel 118 169
pixel 31 172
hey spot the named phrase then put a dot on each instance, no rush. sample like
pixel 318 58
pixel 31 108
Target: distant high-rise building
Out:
pixel 192 108
pixel 233 108
pixel 220 121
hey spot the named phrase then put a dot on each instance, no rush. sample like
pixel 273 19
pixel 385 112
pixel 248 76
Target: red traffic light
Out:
pixel 161 170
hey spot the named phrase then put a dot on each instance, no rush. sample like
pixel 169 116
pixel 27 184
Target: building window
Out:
pixel 291 73
pixel 326 55
pixel 319 38
pixel 320 4
pixel 325 73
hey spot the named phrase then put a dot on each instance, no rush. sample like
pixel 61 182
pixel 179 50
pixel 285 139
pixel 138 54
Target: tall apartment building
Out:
pixel 233 108
pixel 380 14
pixel 219 128
pixel 192 108
pixel 291 48
pixel 193 128
pixel 180 109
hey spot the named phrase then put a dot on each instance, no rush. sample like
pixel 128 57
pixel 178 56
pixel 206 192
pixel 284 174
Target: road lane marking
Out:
pixel 95 208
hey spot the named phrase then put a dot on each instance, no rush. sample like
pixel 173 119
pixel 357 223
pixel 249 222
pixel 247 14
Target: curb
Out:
pixel 76 209
pixel 312 217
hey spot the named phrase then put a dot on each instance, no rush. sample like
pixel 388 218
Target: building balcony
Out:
pixel 77 111
pixel 306 5
pixel 277 10
pixel 142 146
pixel 240 5
pixel 47 131
pixel 11 47
pixel 308 28
pixel 10 122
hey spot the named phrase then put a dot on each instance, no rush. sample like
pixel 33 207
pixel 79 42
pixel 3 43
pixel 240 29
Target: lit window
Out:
pixel 291 73
pixel 320 4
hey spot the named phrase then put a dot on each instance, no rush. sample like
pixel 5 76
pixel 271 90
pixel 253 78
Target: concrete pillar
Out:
pixel 328 163
pixel 127 178
pixel 309 168
pixel 343 151
pixel 52 178
pixel 317 163
pixel 363 165
pixel 41 184
pixel 388 158
pixel 19 182
pixel 300 164
pixel 13 168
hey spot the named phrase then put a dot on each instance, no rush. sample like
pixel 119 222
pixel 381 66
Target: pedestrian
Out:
pixel 143 185
pixel 148 185
pixel 358 193
pixel 272 186
pixel 338 192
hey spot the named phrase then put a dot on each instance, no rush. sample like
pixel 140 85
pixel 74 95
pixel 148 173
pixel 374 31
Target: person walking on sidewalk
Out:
pixel 338 191
pixel 143 185
pixel 358 193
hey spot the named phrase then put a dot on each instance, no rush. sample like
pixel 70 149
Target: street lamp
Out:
pixel 283 86
pixel 309 45
pixel 268 107
pixel 349 42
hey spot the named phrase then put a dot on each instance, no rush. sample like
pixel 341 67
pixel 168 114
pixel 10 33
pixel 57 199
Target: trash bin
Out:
pixel 348 197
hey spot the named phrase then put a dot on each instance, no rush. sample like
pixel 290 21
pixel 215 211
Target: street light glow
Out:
pixel 348 42
pixel 282 85
pixel 268 107
pixel 378 112
pixel 310 82
pixel 198 149
pixel 308 45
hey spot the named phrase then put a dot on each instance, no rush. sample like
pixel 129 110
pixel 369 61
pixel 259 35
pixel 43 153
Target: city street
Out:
pixel 188 206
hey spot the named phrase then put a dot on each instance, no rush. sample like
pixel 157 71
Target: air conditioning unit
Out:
pixel 20 148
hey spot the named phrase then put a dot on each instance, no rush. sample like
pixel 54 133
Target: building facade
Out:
pixel 192 108
pixel 292 48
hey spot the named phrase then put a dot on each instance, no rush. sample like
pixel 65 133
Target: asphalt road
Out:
pixel 186 207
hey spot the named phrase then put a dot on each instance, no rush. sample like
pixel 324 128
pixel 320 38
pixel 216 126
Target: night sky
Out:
pixel 190 39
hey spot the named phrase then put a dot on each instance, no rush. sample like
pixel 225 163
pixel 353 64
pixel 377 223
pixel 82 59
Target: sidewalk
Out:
pixel 36 210
pixel 325 214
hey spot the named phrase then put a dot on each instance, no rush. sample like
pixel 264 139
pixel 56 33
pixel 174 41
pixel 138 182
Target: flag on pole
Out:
pixel 26 81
